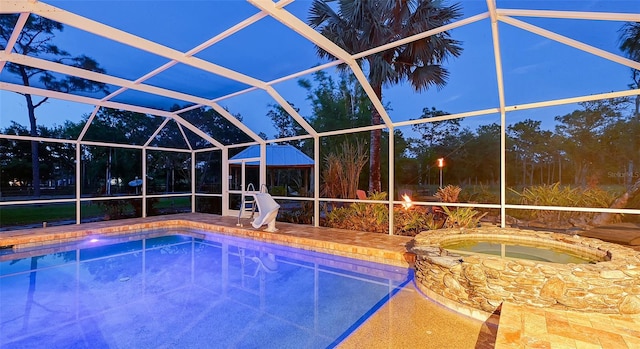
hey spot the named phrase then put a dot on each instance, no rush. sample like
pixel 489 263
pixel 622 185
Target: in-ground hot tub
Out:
pixel 606 278
pixel 522 250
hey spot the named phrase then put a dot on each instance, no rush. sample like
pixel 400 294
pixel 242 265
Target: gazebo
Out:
pixel 288 168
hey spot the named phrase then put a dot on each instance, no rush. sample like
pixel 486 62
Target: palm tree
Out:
pixel 359 25
pixel 630 45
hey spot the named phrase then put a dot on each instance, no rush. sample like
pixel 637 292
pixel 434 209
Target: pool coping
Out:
pixel 389 249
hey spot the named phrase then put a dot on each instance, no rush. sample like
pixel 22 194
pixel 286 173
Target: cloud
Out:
pixel 525 69
pixel 541 44
pixel 452 98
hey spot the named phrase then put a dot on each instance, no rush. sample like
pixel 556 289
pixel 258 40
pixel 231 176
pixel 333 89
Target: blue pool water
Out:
pixel 186 289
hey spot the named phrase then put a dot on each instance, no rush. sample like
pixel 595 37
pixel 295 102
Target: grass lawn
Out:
pixel 36 214
pixel 32 214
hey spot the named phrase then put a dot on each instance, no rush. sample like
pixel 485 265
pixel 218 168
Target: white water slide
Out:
pixel 267 212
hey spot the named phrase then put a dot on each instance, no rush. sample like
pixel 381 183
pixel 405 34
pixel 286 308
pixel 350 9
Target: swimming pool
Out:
pixel 186 289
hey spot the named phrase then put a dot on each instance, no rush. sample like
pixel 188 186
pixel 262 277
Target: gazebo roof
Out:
pixel 277 156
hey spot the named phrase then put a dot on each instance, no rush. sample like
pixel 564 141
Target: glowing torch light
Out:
pixel 407 201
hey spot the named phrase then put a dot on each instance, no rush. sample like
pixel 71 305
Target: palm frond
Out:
pixel 358 25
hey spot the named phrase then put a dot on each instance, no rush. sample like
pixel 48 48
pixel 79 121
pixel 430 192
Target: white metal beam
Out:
pixel 570 42
pixel 225 181
pixel 603 16
pixel 286 139
pixel 316 181
pixel 304 72
pixel 16 6
pixel 184 136
pixel 97 28
pixel 156 132
pixel 93 143
pixel 448 117
pixel 80 99
pixel 137 85
pixel 87 124
pixel 108 104
pixel 491 5
pixel 392 180
pixel 289 109
pixel 22 20
pixel 294 23
pixel 79 183
pixel 126 84
pixel 594 97
pixel 227 115
pixel 352 130
pixel 98 77
pixel 144 182
pixel 412 38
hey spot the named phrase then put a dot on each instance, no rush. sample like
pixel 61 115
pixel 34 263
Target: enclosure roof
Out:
pixel 277 156
pixel 242 58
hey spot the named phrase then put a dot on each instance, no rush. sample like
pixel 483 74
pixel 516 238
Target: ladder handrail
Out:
pixel 243 202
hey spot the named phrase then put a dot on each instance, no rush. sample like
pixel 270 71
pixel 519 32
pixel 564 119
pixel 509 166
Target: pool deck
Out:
pixel 409 319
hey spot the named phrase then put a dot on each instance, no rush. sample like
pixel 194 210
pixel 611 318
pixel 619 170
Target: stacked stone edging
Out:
pixel 483 282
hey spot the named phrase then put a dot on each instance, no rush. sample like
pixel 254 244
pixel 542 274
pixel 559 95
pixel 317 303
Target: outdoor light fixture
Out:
pixel 407 201
pixel 440 165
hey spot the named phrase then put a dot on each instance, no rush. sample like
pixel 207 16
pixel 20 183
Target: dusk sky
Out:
pixel 535 68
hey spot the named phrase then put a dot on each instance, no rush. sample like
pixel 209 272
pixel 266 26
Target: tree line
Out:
pixel 599 142
pixel 103 165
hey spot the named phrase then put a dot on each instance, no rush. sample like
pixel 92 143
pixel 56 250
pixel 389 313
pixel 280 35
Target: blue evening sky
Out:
pixel 535 68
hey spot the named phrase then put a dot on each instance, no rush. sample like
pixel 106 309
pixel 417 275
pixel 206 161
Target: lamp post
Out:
pixel 440 165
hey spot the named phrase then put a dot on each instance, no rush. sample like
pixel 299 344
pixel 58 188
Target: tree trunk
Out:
pixel 524 171
pixel 532 173
pixel 541 173
pixel 35 155
pixel 374 147
pixel 33 131
pixel 107 181
pixel 559 170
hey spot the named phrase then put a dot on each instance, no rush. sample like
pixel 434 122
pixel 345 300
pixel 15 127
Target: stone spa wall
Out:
pixel 478 284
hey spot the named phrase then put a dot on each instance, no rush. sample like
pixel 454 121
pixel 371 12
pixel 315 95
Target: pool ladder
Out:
pixel 248 202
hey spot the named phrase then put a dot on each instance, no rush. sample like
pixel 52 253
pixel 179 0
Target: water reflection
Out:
pixel 187 290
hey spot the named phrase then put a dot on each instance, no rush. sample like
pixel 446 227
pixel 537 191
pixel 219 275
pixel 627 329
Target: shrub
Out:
pixel 342 171
pixel 480 194
pixel 559 195
pixel 298 215
pixel 114 209
pixel 278 190
pixel 415 220
pixel 462 217
pixel 449 193
pixel 361 216
pixel 370 217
